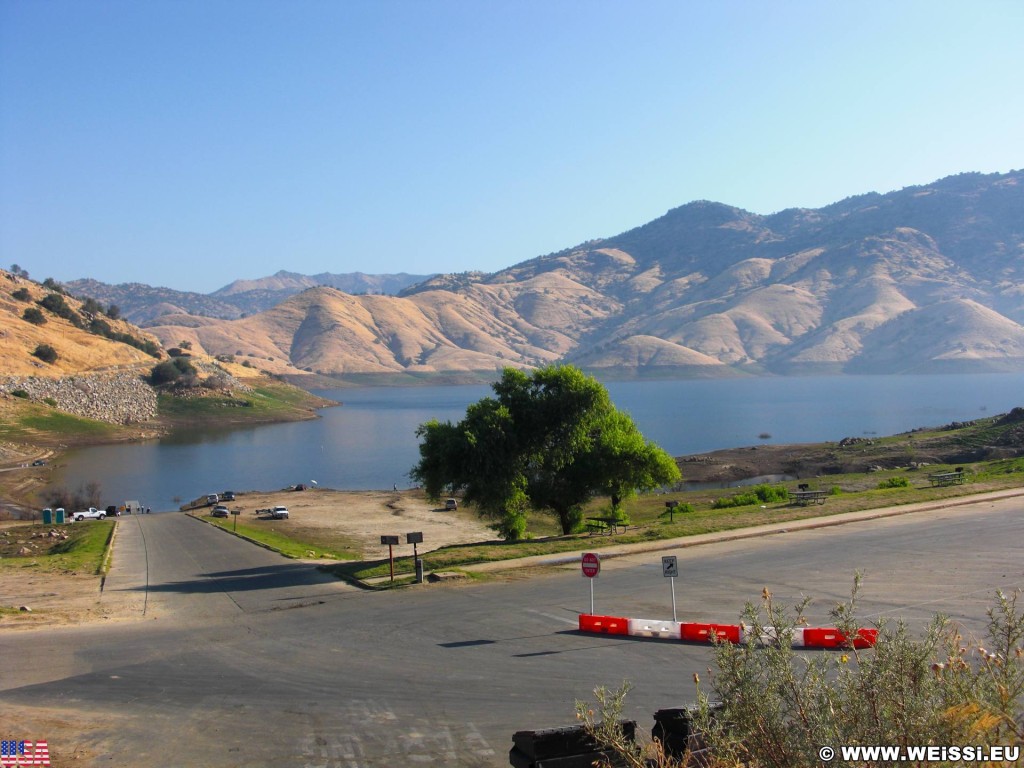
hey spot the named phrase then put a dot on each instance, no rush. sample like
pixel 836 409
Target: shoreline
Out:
pixel 20 481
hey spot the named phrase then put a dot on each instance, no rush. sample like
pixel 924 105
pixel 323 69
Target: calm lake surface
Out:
pixel 370 443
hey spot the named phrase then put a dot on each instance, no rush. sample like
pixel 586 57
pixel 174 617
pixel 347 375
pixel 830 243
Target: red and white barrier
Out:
pixel 824 637
pixel 706 633
pixel 696 632
pixel 605 625
pixel 668 630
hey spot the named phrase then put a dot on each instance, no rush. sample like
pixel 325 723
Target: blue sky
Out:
pixel 187 143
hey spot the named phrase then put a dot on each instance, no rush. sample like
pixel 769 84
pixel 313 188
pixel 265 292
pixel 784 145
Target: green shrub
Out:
pixel 91 306
pixel 20 393
pixel 779 705
pixel 56 304
pixel 759 494
pixel 34 316
pixel 739 500
pixel 22 294
pixel 50 401
pixel 46 353
pixel 100 327
pixel 175 371
pixel 894 482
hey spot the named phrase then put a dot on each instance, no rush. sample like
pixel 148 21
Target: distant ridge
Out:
pixel 145 304
pixel 929 278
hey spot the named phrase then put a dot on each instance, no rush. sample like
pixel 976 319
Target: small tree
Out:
pixel 113 312
pixel 550 440
pixel 100 327
pixel 176 371
pixel 46 353
pixel 22 294
pixel 92 306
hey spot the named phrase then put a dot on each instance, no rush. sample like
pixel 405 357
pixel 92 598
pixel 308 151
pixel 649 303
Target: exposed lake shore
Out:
pixel 36 431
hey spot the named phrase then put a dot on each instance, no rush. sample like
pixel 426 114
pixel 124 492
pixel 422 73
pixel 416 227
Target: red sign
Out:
pixel 591 564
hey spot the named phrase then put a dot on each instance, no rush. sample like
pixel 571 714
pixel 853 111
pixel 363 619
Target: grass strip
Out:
pixel 84 551
pixel 272 537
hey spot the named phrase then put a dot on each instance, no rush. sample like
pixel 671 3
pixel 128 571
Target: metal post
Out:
pixel 591 597
pixel 674 599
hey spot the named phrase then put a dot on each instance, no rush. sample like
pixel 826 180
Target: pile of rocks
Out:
pixel 118 398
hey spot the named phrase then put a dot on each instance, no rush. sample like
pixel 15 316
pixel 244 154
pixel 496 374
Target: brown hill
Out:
pixel 925 279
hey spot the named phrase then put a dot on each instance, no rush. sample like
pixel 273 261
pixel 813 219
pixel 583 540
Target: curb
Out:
pixel 813 523
pixel 108 553
pixel 242 536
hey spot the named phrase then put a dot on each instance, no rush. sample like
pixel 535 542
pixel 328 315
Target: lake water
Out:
pixel 370 441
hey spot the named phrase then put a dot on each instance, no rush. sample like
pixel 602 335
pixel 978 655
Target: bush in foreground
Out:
pixel 779 706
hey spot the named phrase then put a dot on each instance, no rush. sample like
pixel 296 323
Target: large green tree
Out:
pixel 549 440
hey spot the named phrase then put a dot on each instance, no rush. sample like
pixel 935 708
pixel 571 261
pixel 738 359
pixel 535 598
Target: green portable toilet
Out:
pixel 47 517
pixel 61 519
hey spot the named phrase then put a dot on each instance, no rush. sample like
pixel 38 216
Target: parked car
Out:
pixel 38 463
pixel 113 511
pixel 221 511
pixel 451 504
pixel 211 499
pixel 227 496
pixel 279 513
pixel 90 514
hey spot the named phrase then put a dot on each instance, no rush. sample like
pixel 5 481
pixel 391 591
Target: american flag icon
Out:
pixel 24 753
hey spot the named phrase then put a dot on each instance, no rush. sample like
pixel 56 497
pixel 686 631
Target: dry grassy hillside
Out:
pixel 78 350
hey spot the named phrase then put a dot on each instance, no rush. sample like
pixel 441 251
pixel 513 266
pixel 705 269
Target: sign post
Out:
pixel 671 509
pixel 390 541
pixel 591 565
pixel 414 538
pixel 670 569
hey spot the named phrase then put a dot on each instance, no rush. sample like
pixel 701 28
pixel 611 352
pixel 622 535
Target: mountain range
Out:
pixel 925 279
pixel 142 304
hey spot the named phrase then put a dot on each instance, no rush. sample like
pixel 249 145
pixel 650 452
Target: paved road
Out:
pixel 243 658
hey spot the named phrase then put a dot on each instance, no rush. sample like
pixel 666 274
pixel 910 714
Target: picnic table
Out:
pixel 947 478
pixel 609 525
pixel 805 497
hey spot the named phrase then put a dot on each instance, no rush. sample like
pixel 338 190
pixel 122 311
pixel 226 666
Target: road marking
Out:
pixel 572 622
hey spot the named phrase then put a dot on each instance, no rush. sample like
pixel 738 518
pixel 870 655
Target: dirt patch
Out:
pixel 51 598
pixel 355 520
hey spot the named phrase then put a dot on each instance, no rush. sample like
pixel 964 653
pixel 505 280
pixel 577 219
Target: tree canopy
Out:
pixel 549 440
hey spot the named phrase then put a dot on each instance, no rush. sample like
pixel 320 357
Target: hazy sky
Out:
pixel 187 143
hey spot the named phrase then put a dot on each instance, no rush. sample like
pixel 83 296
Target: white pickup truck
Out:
pixel 278 513
pixel 90 514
